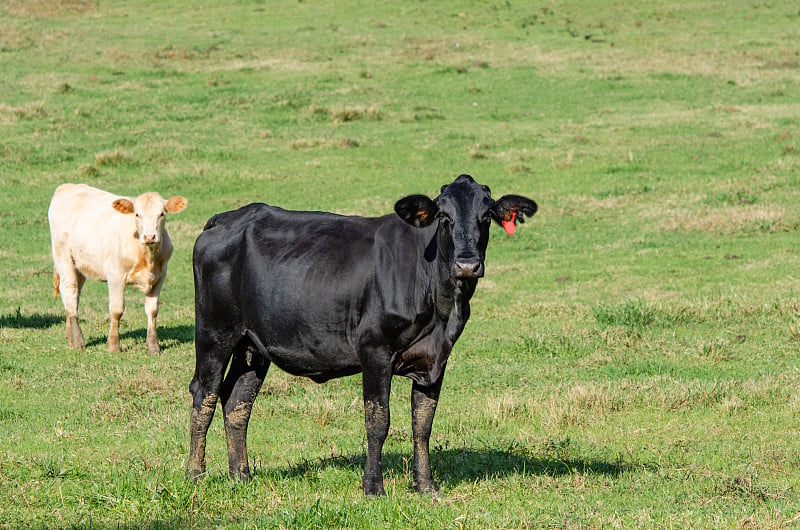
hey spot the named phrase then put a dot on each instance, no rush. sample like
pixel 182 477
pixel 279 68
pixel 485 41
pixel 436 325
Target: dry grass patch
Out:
pixel 12 39
pixel 343 114
pixel 144 384
pixel 111 158
pixel 579 404
pixel 369 207
pixel 340 114
pixel 579 204
pixel 302 144
pixel 10 114
pixel 724 220
pixel 48 8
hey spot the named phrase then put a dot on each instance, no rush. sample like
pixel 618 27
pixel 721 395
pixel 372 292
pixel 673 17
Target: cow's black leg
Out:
pixel 423 408
pixel 239 391
pixel 205 388
pixel 377 384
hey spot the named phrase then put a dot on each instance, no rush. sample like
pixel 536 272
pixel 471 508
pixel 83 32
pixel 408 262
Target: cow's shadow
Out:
pixel 452 467
pixel 18 320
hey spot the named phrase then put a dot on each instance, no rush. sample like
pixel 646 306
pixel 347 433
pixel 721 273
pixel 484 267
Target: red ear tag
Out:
pixel 510 226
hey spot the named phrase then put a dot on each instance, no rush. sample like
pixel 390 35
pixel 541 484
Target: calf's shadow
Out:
pixel 167 336
pixel 17 320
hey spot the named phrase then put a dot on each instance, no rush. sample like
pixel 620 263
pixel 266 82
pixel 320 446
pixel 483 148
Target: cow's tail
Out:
pixel 56 284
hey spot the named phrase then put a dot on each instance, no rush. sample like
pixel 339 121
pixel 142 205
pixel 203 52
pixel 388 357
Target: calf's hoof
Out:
pixel 74 335
pixel 153 348
pixel 76 344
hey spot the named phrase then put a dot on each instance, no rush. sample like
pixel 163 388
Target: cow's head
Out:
pixel 464 210
pixel 149 210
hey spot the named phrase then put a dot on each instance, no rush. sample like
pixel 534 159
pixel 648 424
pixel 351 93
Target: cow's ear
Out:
pixel 512 208
pixel 123 206
pixel 175 204
pixel 416 210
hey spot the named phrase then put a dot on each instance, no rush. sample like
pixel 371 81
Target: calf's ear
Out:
pixel 512 208
pixel 123 206
pixel 175 204
pixel 416 210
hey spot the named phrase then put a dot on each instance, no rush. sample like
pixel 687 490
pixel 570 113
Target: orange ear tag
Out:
pixel 510 226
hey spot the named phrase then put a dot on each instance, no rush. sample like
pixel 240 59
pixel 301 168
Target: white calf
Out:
pixel 114 239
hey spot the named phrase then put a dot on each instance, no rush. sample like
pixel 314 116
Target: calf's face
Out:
pixel 464 211
pixel 149 211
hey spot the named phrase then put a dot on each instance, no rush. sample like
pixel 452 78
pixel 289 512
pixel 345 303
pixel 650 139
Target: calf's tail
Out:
pixel 56 283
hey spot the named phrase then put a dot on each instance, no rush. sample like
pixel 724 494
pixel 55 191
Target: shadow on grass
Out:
pixel 162 524
pixel 33 321
pixel 456 466
pixel 167 336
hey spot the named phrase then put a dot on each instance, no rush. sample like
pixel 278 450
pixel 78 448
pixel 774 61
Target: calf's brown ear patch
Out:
pixel 123 206
pixel 175 204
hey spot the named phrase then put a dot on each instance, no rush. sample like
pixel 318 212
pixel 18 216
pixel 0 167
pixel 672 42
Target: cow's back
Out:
pixel 299 281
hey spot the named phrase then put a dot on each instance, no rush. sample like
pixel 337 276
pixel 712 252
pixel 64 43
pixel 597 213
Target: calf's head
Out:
pixel 464 211
pixel 149 210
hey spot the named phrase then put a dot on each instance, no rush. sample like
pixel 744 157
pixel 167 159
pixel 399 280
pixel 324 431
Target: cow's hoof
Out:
pixel 373 488
pixel 244 478
pixel 195 474
pixel 153 349
pixel 428 488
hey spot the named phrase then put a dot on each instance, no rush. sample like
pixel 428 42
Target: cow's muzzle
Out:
pixel 468 268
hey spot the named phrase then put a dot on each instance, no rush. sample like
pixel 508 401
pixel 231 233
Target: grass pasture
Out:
pixel 633 355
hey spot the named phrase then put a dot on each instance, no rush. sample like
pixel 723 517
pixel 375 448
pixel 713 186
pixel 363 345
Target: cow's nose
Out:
pixel 149 238
pixel 468 268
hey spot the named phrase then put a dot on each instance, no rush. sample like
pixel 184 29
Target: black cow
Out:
pixel 324 296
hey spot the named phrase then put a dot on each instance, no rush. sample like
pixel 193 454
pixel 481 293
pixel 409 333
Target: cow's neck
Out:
pixel 452 296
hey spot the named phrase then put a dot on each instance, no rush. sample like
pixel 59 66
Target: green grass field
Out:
pixel 633 356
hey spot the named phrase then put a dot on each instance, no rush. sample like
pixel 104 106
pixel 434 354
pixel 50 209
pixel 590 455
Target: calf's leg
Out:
pixel 151 309
pixel 377 385
pixel 423 408
pixel 239 390
pixel 116 306
pixel 70 284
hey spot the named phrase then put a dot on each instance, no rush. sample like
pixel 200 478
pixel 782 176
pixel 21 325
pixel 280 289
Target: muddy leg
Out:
pixel 239 391
pixel 377 385
pixel 205 389
pixel 203 407
pixel 423 408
